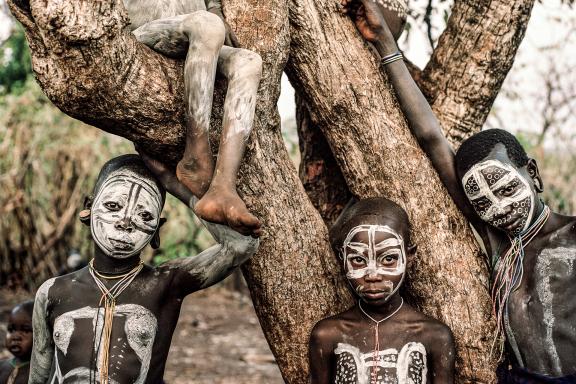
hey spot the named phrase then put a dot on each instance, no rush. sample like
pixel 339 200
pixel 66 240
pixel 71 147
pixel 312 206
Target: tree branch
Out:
pixel 476 49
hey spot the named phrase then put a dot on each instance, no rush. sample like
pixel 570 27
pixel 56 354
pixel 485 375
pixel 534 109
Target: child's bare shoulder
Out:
pixel 330 329
pixel 53 286
pixel 431 330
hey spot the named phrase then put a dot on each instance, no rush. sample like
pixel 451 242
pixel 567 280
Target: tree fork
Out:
pixel 320 175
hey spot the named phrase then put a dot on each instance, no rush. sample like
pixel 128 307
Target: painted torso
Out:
pixel 141 12
pixel 144 320
pixel 407 343
pixel 406 366
pixel 542 311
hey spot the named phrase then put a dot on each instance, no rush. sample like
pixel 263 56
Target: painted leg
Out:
pixel 199 36
pixel 221 204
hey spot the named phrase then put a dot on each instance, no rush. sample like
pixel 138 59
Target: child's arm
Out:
pixel 43 346
pixel 319 352
pixel 443 355
pixel 419 115
pixel 215 263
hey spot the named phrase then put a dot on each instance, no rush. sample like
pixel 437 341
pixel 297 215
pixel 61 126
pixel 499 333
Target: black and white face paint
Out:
pixel 500 195
pixel 374 250
pixel 125 213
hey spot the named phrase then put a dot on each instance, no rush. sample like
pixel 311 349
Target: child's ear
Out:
pixel 84 214
pixel 534 173
pixel 155 242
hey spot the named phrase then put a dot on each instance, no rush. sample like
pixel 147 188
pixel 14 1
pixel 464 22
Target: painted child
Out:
pixel 382 339
pixel 112 321
pixel 496 185
pixel 19 343
pixel 195 30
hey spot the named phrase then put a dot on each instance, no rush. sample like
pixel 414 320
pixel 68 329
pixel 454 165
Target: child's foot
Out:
pixel 195 175
pixel 224 206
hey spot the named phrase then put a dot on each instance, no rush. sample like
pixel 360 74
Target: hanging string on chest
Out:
pixel 108 301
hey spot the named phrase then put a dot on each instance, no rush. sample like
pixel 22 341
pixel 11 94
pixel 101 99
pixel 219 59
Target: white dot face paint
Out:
pixel 374 252
pixel 125 213
pixel 500 195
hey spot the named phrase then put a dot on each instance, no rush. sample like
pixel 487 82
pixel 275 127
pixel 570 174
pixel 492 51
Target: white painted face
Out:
pixel 125 213
pixel 382 254
pixel 500 195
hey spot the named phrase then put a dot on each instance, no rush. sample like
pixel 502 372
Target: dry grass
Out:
pixel 48 164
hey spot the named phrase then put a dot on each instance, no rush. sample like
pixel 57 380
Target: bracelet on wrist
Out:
pixel 391 58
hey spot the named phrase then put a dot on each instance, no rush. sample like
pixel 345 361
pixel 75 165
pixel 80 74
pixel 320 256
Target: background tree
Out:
pixel 92 68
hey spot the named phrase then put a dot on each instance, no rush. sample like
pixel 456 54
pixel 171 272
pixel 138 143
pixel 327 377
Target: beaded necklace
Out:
pixel 376 352
pixel 109 297
pixel 510 270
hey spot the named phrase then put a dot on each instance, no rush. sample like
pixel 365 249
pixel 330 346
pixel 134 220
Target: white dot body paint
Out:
pixel 484 186
pixel 125 213
pixel 409 366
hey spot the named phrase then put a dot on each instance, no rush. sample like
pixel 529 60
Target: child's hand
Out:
pixel 159 169
pixel 368 18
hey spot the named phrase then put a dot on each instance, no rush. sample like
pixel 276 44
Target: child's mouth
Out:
pixel 14 349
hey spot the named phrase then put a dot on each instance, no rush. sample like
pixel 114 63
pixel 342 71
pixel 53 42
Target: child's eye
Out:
pixel 481 204
pixel 388 259
pixel 112 206
pixel 508 191
pixel 146 216
pixel 358 260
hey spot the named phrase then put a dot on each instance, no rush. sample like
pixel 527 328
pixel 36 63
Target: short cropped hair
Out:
pixel 27 306
pixel 367 211
pixel 132 162
pixel 477 147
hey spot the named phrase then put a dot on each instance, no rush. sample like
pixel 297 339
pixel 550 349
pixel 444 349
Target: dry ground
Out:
pixel 218 340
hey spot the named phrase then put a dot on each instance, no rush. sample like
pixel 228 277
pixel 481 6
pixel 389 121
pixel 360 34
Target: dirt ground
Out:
pixel 218 340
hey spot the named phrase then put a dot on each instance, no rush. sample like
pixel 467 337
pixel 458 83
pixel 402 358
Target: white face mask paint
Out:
pixel 125 213
pixel 493 187
pixel 374 254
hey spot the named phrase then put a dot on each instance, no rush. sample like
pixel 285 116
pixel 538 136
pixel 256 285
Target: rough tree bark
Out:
pixel 320 175
pixel 470 62
pixel 93 69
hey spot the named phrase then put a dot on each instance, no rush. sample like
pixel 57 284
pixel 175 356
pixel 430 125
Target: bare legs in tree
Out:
pixel 199 36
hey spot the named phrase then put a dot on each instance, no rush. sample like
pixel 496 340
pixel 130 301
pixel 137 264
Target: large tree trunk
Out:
pixel 93 69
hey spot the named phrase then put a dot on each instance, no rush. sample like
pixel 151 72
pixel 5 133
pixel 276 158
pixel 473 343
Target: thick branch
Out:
pixel 476 50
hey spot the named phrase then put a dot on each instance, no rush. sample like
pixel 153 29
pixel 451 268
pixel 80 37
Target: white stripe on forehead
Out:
pixel 127 175
pixel 371 267
pixel 371 229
